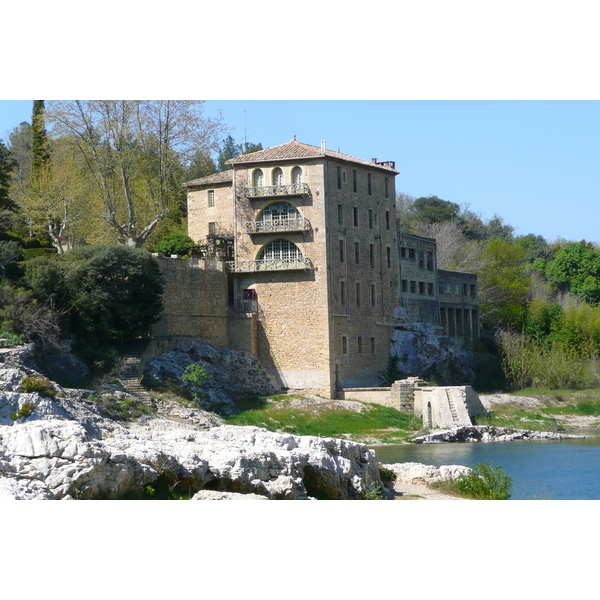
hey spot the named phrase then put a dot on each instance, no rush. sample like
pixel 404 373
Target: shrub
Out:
pixel 196 376
pixel 387 475
pixel 484 482
pixel 41 385
pixel 174 243
pixel 25 411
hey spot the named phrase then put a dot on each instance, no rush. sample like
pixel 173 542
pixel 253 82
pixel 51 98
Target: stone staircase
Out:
pixel 130 372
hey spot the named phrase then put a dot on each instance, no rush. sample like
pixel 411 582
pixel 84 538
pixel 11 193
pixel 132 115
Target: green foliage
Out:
pixel 41 385
pixel 387 475
pixel 391 372
pixel 115 292
pixel 10 253
pixel 484 482
pixel 39 146
pixel 229 149
pixel 11 339
pixel 576 268
pixel 7 165
pixel 526 364
pixel 174 243
pixel 25 411
pixel 122 409
pixel 196 376
pixel 435 210
pixel 329 420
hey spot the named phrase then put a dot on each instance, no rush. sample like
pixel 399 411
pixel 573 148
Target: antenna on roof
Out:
pixel 245 140
pixel 323 145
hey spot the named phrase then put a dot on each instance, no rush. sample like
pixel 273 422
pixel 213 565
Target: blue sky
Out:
pixel 535 163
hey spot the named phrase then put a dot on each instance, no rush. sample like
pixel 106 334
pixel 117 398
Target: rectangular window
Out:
pixel 357 253
pixel 411 253
pixel 355 214
pixel 430 261
pixel 372 345
pixel 421 259
pixel 373 298
pixel 341 251
pixel 413 287
pixel 472 291
pixel 343 293
pixel 340 214
pixel 354 187
pixel 369 183
pixel 211 198
pixel 403 252
pixel 448 288
pixel 430 289
pixel 389 257
pixel 339 178
pixel 421 287
pixel 387 220
pixel 465 289
pixel 359 344
pixel 405 285
pixel 387 187
pixel 344 345
pixel 372 255
pixel 212 228
pixel 370 219
pixel 358 294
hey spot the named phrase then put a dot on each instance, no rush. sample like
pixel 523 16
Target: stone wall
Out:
pixel 195 300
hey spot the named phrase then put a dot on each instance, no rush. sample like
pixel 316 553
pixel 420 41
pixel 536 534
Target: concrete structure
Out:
pixel 314 259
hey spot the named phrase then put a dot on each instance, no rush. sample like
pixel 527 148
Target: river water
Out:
pixel 540 470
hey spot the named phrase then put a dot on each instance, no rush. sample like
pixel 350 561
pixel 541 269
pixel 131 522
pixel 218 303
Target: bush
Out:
pixel 174 243
pixel 484 482
pixel 41 385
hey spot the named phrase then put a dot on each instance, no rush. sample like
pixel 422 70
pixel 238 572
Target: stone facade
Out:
pixel 314 262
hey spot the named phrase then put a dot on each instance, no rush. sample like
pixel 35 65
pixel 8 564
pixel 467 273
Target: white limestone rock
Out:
pixel 419 474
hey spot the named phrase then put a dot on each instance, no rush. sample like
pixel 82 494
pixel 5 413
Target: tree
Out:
pixel 40 154
pixel 435 210
pixel 20 147
pixel 115 292
pixel 135 150
pixel 7 166
pixel 58 199
pixel 576 268
pixel 230 149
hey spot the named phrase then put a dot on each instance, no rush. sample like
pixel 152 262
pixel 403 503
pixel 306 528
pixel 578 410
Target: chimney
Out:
pixel 323 145
pixel 373 161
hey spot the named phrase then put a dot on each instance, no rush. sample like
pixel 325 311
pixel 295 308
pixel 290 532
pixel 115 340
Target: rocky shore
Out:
pixel 485 433
pixel 62 446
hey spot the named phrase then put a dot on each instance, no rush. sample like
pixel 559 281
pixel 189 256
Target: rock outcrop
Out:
pixel 232 373
pixel 486 433
pixel 420 474
pixel 421 352
pixel 65 448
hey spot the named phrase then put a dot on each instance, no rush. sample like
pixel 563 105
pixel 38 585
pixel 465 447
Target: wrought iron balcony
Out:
pixel 270 264
pixel 268 191
pixel 277 225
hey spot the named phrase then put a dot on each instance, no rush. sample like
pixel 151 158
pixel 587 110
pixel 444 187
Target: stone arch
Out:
pixel 297 175
pixel 277 176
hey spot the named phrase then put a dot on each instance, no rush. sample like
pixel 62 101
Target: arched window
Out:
pixel 278 177
pixel 281 254
pixel 259 178
pixel 279 211
pixel 297 176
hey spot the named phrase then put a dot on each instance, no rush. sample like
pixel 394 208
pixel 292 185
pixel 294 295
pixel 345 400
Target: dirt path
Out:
pixel 409 491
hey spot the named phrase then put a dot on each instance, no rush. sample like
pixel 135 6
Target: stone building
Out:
pixel 316 263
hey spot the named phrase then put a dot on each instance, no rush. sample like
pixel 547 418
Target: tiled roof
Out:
pixel 223 177
pixel 295 150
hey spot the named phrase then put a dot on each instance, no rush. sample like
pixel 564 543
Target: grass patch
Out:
pixel 326 419
pixel 123 409
pixel 484 482
pixel 518 418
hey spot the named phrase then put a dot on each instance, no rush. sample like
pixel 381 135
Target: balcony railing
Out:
pixel 269 264
pixel 267 191
pixel 276 225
